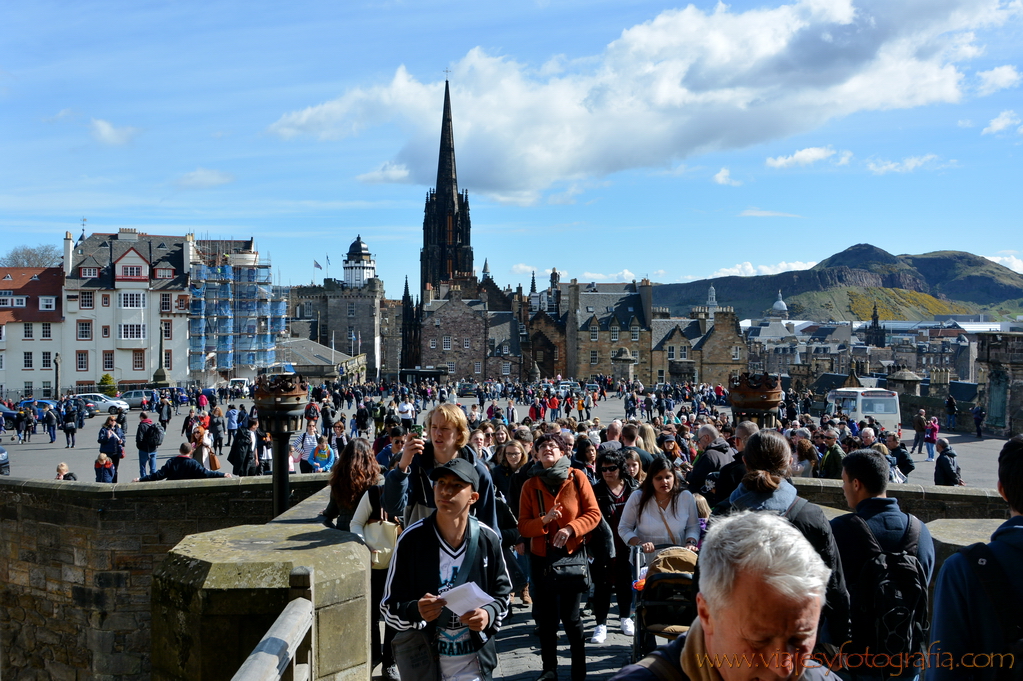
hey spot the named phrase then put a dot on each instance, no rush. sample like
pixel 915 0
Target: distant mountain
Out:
pixel 846 286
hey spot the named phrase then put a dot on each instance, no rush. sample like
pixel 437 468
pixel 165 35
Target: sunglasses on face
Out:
pixel 605 469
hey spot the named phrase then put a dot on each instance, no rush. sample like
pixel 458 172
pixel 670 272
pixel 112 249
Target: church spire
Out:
pixel 447 178
pixel 532 285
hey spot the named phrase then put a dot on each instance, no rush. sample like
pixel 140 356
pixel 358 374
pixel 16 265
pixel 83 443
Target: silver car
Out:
pixel 104 403
pixel 134 397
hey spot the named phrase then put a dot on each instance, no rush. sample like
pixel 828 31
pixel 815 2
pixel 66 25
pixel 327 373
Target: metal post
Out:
pixel 281 487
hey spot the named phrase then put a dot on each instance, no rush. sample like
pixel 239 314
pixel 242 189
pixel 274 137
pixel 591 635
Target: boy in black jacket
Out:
pixel 431 558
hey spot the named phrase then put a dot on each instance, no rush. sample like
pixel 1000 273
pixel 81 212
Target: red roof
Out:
pixel 49 281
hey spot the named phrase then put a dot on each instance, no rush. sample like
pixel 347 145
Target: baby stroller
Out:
pixel 665 597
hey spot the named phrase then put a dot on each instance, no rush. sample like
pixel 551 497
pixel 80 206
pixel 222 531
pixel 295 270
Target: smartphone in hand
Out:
pixel 416 431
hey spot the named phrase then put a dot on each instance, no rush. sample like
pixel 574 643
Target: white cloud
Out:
pixel 757 213
pixel 387 172
pixel 905 166
pixel 686 82
pixel 105 132
pixel 802 157
pixel 747 269
pixel 658 274
pixel 1012 262
pixel 965 123
pixel 203 178
pixel 998 78
pixel 522 268
pixel 844 158
pixel 1006 119
pixel 624 275
pixel 724 176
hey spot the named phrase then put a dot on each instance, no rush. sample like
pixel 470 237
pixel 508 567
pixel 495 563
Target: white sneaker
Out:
pixel 599 634
pixel 628 627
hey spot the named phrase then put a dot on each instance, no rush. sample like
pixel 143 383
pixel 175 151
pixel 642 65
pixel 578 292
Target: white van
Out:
pixel 859 403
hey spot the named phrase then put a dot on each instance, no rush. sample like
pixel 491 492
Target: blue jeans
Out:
pixel 52 430
pixel 950 421
pixel 930 450
pixel 147 459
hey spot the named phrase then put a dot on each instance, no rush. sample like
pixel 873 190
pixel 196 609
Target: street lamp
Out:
pixel 280 401
pixel 56 375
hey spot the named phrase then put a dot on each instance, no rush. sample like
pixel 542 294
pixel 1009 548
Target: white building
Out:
pixel 31 335
pixel 124 293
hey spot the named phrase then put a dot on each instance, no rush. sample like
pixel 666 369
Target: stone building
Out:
pixel 348 312
pixel 31 332
pixel 1000 373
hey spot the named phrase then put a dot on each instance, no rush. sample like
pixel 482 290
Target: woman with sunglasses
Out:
pixel 615 574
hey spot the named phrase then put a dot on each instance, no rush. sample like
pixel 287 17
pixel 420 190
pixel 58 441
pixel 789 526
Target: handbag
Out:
pixel 214 462
pixel 380 534
pixel 565 572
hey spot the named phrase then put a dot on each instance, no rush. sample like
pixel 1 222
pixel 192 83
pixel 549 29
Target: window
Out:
pixel 165 302
pixel 589 308
pixel 138 360
pixel 166 324
pixel 132 301
pixel 614 334
pixel 106 300
pixel 47 360
pixel 1 361
pixel 683 352
pixel 467 343
pixel 82 360
pixel 555 353
pixel 47 331
pixel 433 343
pixel 47 303
pixel 3 332
pixel 27 361
pixel 671 352
pixel 85 300
pixel 635 354
pixel 47 389
pixel 660 375
pixel 164 272
pixel 593 356
pixel 505 368
pixel 5 301
pixel 89 272
pixel 477 367
pixel 446 343
pixel 108 360
pixel 735 353
pixel 85 330
pixel 451 368
pixel 635 333
pixel 594 331
pixel 131 331
pixel 19 301
pixel 131 270
pixel 351 309
pixel 27 331
pixel 28 389
pixel 539 355
pixel 182 302
pixel 168 359
pixel 106 332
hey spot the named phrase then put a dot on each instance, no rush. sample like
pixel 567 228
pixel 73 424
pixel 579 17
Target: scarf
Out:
pixel 694 653
pixel 555 476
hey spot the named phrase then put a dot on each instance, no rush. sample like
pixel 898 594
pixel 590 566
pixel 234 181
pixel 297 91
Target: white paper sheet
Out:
pixel 466 598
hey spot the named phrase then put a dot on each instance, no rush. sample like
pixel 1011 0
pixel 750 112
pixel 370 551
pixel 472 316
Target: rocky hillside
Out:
pixel 846 286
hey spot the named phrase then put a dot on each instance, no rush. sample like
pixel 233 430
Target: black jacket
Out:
pixel 716 456
pixel 946 471
pixel 242 455
pixel 415 571
pixel 182 467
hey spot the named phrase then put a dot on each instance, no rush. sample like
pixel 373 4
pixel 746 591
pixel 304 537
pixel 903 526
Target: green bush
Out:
pixel 106 385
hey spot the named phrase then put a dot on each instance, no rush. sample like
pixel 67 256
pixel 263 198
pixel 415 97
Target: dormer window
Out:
pixel 89 272
pixel 131 270
pixel 164 272
pixel 47 303
pixel 614 334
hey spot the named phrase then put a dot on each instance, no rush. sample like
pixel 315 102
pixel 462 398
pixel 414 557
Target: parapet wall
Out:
pixel 76 563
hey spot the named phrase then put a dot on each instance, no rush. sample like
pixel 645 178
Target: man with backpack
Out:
pixel 312 414
pixel 888 559
pixel 978 593
pixel 148 438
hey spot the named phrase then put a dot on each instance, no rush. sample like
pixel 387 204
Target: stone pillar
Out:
pixel 622 367
pixel 217 593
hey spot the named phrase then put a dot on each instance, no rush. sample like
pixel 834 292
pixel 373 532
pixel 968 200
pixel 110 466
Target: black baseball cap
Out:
pixel 461 469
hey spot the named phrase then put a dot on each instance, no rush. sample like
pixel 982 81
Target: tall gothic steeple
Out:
pixel 447 248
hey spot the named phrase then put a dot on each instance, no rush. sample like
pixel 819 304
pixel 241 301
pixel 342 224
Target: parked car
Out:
pixel 178 395
pixel 466 389
pixel 592 388
pixel 134 398
pixel 8 415
pixel 5 462
pixel 104 403
pixel 39 405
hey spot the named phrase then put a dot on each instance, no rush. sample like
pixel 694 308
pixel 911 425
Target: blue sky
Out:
pixel 609 139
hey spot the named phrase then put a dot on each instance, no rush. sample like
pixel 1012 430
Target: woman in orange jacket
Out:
pixel 557 509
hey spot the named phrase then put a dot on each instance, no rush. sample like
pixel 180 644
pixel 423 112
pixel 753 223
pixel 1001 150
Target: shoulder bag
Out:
pixel 565 572
pixel 379 533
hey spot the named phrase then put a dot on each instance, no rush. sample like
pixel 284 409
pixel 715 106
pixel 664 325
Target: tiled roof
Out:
pixel 48 281
pixel 104 250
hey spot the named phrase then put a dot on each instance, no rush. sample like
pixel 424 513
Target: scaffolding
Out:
pixel 234 318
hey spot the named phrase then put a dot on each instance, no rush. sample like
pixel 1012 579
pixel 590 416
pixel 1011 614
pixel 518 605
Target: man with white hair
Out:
pixel 762 587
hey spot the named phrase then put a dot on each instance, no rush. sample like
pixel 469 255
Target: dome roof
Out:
pixel 779 305
pixel 358 250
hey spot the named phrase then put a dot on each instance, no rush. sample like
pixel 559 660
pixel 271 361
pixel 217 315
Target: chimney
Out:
pixel 189 252
pixel 127 234
pixel 646 296
pixel 69 245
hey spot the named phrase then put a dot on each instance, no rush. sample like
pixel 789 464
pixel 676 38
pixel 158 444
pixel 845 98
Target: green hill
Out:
pixel 846 286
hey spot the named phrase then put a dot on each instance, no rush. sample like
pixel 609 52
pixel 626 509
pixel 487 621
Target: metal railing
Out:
pixel 286 651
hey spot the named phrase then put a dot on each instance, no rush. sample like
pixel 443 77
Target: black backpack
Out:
pixel 889 612
pixel 153 437
pixel 1000 591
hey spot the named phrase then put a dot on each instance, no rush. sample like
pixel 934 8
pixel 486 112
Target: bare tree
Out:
pixel 43 255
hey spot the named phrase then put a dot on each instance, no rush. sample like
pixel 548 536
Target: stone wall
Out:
pixel 76 563
pixel 457 322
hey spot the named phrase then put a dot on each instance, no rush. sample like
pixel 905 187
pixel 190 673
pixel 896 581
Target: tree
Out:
pixel 106 385
pixel 43 255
